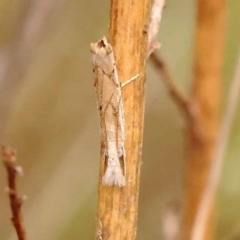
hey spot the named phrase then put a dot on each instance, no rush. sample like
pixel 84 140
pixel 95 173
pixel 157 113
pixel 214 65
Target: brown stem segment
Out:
pixel 9 158
pixel 118 207
pixel 205 97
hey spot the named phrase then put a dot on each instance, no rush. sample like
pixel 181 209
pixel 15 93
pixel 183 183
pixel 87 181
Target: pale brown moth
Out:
pixel 110 107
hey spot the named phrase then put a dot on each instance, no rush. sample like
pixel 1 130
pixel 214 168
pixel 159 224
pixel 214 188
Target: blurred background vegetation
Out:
pixel 54 125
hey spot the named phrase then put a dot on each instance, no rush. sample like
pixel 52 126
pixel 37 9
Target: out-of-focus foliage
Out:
pixel 54 125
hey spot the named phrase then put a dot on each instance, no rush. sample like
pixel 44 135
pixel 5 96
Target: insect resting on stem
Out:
pixel 111 112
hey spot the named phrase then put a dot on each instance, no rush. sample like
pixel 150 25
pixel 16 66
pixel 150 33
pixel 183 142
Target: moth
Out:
pixel 111 112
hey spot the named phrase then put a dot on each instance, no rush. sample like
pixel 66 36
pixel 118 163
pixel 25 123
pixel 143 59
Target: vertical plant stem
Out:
pixel 205 101
pixel 118 207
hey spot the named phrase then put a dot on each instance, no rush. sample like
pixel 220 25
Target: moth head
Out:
pixel 103 44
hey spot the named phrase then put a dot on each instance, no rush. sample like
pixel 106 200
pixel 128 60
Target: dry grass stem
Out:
pixel 118 207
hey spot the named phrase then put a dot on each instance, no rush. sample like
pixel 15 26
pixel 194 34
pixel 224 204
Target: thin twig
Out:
pixel 9 159
pixel 155 19
pixel 178 96
pixel 200 223
pixel 186 106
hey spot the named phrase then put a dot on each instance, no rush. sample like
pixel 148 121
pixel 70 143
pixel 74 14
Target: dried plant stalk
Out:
pixel 118 207
pixel 205 103
pixel 215 171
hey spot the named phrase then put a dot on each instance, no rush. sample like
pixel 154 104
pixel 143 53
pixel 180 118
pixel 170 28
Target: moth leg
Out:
pixel 130 80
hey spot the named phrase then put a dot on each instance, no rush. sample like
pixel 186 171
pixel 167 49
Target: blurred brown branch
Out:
pixel 206 97
pixel 215 171
pixel 9 159
pixel 201 108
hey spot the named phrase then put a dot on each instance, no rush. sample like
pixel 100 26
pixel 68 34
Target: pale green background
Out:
pixel 54 125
